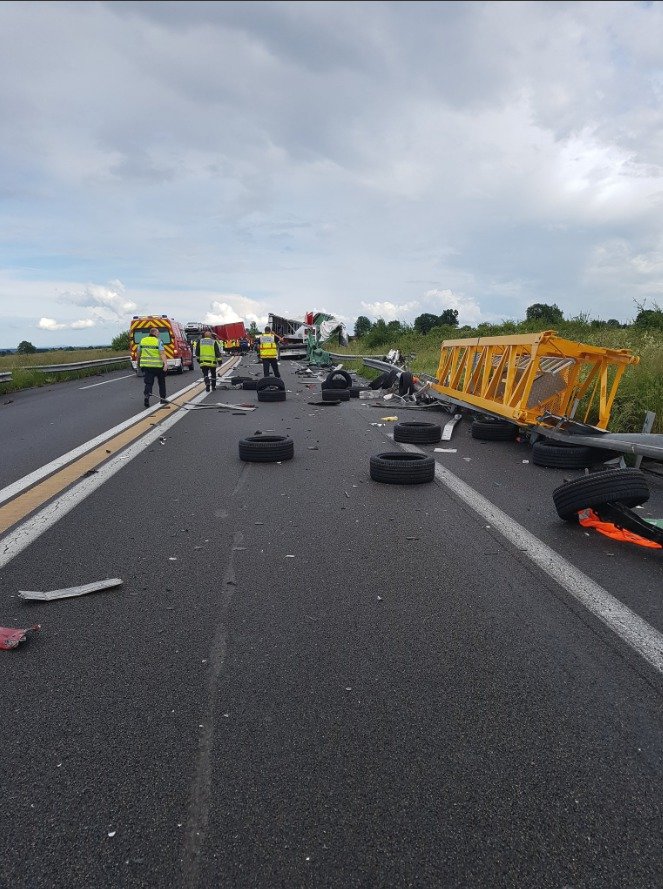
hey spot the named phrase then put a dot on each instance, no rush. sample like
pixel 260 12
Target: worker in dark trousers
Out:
pixel 208 352
pixel 268 352
pixel 154 364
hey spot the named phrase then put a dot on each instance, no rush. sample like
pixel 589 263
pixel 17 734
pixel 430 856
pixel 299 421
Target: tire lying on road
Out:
pixel 250 384
pixel 378 381
pixel 266 448
pixel 269 393
pixel 390 379
pixel 338 379
pixel 628 486
pixel 402 468
pixel 566 456
pixel 418 433
pixel 493 430
pixel 336 395
pixel 406 384
pixel 269 383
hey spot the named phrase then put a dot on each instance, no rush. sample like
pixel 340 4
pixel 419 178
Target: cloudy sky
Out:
pixel 216 161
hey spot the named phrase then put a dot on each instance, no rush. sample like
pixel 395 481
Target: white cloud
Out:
pixel 52 324
pixel 389 311
pixel 105 303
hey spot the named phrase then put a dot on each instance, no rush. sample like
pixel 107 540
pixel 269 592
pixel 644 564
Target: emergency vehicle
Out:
pixel 172 335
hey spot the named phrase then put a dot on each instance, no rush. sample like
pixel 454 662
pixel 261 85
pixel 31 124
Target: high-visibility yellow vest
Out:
pixel 268 345
pixel 149 352
pixel 206 352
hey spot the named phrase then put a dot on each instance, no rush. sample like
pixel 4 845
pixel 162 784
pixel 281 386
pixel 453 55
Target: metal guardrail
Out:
pixel 6 376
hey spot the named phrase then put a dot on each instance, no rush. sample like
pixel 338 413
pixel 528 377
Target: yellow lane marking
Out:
pixel 16 510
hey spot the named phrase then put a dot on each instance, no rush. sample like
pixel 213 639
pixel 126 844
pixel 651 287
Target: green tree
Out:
pixel 25 348
pixel 545 313
pixel 423 323
pixel 121 342
pixel 448 318
pixel 649 319
pixel 253 329
pixel 362 326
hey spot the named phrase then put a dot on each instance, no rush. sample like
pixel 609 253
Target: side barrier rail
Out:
pixel 6 376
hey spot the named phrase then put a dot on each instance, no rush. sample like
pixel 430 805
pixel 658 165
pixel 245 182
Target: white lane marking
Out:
pixel 114 380
pixel 29 480
pixel 630 627
pixel 34 526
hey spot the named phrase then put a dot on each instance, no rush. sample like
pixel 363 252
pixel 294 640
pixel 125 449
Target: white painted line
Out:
pixel 35 525
pixel 29 480
pixel 632 629
pixel 114 380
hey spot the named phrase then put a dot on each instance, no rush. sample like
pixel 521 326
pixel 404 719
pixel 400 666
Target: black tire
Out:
pixel 390 379
pixel 402 468
pixel 235 381
pixel 378 381
pixel 271 394
pixel 627 486
pixel 250 384
pixel 270 382
pixel 266 448
pixel 417 433
pixel 552 455
pixel 180 368
pixel 335 395
pixel 338 379
pixel 406 385
pixel 493 430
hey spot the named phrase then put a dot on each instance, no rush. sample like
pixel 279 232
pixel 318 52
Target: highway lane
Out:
pixel 38 425
pixel 373 711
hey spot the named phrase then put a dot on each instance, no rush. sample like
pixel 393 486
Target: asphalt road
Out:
pixel 312 679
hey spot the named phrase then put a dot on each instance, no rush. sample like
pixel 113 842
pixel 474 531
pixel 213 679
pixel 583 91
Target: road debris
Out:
pixel 11 637
pixel 389 419
pixel 69 592
pixel 446 450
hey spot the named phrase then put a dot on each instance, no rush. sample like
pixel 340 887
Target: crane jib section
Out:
pixel 519 377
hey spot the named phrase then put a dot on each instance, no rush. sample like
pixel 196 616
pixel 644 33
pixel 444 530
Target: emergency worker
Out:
pixel 208 352
pixel 268 352
pixel 154 364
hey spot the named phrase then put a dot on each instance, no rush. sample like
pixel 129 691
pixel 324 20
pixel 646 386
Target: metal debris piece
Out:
pixel 11 637
pixel 449 427
pixel 70 592
pixel 446 450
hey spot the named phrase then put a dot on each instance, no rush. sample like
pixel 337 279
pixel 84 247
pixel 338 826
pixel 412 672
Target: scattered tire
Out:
pixel 335 395
pixel 406 384
pixel 417 433
pixel 269 383
pixel 235 381
pixel 628 486
pixel 266 448
pixel 250 384
pixel 390 379
pixel 270 394
pixel 493 430
pixel 338 379
pixel 552 455
pixel 402 468
pixel 378 381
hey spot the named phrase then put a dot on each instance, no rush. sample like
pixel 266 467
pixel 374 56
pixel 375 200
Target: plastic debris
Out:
pixel 446 450
pixel 11 637
pixel 69 592
pixel 389 419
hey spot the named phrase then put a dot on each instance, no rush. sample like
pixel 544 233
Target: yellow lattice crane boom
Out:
pixel 523 376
